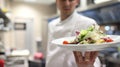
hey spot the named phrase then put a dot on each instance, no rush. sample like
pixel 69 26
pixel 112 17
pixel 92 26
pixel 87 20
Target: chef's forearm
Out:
pixel 86 65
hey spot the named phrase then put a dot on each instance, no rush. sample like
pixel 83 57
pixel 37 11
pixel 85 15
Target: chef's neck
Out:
pixel 65 16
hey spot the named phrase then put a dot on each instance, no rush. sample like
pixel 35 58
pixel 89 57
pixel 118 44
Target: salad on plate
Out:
pixel 91 35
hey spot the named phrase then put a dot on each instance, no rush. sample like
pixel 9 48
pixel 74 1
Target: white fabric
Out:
pixel 59 57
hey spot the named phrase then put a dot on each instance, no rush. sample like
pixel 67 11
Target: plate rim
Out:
pixel 87 45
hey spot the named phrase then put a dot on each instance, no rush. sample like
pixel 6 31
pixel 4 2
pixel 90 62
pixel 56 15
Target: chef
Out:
pixel 66 25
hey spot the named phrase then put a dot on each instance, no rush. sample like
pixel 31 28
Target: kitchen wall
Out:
pixel 39 14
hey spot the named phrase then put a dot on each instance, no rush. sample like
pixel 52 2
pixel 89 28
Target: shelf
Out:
pixel 96 6
pixel 6 20
pixel 2 53
pixel 110 23
pixel 2 15
pixel 105 13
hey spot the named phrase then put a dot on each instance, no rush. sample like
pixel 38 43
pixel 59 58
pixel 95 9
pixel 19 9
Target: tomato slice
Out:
pixel 65 42
pixel 108 39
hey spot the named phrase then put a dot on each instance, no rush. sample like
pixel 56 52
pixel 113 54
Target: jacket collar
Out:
pixel 69 18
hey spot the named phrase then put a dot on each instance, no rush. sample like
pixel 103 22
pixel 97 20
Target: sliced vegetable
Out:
pixel 65 42
pixel 108 39
pixel 92 35
pixel 77 32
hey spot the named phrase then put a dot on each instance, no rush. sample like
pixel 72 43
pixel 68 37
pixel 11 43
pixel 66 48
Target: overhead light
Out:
pixel 101 1
pixel 107 28
pixel 30 0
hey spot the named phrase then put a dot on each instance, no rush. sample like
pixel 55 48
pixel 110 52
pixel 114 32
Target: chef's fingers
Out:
pixel 78 56
pixel 94 54
pixel 87 56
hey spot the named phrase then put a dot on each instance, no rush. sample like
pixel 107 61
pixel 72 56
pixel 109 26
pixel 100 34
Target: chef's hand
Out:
pixel 87 60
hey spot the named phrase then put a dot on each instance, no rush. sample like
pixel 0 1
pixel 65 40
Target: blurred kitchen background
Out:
pixel 23 29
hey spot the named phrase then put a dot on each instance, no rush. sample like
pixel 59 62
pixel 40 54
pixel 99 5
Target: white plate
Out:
pixel 87 47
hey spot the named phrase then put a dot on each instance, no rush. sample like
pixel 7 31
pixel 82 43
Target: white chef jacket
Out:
pixel 60 57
